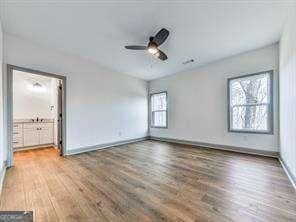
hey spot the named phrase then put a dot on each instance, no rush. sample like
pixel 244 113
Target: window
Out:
pixel 159 110
pixel 250 103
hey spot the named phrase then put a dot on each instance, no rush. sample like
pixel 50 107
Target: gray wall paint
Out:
pixel 103 106
pixel 288 94
pixel 197 101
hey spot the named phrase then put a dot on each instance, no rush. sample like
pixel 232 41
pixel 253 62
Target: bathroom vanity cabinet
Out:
pixel 28 134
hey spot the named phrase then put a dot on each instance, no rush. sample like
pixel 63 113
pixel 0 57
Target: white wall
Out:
pixel 288 94
pixel 102 105
pixel 30 104
pixel 197 101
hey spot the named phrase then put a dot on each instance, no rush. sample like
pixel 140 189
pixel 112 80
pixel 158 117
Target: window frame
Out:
pixel 270 119
pixel 151 121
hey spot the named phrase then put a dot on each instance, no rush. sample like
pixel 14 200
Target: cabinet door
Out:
pixel 46 136
pixel 31 137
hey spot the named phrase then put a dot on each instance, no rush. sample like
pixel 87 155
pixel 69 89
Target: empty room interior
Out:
pixel 148 111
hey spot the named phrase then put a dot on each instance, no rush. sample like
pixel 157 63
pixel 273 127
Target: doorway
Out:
pixel 36 110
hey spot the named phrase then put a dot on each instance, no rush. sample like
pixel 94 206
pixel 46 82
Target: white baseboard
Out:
pixel 219 147
pixel 288 172
pixel 103 146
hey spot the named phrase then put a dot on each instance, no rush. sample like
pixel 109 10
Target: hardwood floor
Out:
pixel 149 181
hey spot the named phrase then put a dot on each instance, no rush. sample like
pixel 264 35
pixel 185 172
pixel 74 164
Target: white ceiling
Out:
pixel 98 30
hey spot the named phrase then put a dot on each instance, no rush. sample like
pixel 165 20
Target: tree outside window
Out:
pixel 250 103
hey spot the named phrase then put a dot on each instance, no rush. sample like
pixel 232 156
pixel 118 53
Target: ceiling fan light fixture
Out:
pixel 153 50
pixel 154 43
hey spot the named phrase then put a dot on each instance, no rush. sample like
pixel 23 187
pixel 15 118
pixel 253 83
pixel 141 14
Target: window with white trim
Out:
pixel 250 103
pixel 158 102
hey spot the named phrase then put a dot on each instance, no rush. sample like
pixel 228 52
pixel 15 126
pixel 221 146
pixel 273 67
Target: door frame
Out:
pixel 8 113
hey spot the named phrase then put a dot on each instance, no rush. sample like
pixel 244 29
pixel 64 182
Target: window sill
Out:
pixel 251 132
pixel 159 127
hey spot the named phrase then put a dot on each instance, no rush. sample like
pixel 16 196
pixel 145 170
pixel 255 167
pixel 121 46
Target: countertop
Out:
pixel 30 121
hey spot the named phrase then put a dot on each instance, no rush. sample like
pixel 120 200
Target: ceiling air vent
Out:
pixel 188 61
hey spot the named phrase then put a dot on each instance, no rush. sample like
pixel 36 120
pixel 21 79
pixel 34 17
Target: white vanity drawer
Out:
pixel 17 126
pixel 17 142
pixel 46 125
pixel 38 125
pixel 31 125
pixel 17 133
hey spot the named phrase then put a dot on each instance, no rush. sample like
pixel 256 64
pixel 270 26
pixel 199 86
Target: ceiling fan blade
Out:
pixel 136 47
pixel 160 55
pixel 161 36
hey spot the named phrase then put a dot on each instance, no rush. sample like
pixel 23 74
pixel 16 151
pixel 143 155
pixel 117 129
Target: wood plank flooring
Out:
pixel 149 181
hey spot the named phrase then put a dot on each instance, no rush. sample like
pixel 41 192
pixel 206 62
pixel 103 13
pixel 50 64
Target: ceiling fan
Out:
pixel 153 44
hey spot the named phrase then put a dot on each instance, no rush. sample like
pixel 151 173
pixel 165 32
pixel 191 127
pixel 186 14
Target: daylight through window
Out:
pixel 159 110
pixel 250 103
